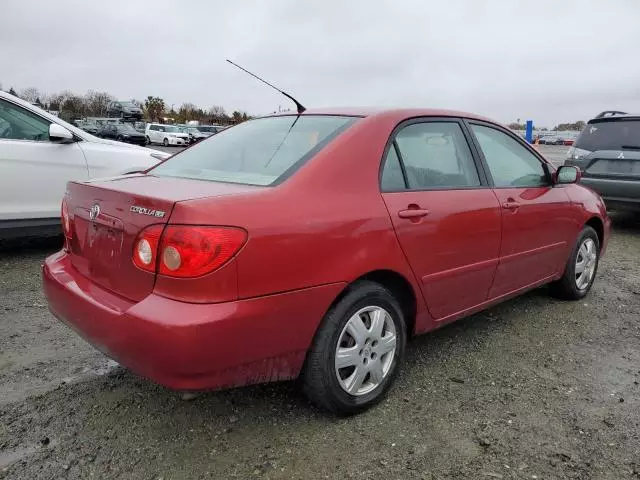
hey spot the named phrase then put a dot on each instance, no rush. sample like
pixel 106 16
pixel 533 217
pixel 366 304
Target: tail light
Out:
pixel 185 251
pixel 65 219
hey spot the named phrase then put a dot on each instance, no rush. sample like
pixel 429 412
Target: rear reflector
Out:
pixel 146 247
pixel 185 251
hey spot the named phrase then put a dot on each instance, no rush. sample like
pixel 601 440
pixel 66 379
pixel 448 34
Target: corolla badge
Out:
pixel 94 212
pixel 147 211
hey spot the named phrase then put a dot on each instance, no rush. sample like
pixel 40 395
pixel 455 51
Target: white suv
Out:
pixel 165 134
pixel 40 153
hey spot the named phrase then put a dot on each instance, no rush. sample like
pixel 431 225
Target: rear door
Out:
pixel 537 230
pixel 445 216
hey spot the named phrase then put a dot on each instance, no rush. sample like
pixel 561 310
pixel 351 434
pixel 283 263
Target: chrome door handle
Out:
pixel 413 213
pixel 510 205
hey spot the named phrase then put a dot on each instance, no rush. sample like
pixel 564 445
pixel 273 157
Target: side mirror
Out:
pixel 59 134
pixel 567 174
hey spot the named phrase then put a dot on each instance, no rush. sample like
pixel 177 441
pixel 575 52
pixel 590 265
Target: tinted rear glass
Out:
pixel 611 135
pixel 257 152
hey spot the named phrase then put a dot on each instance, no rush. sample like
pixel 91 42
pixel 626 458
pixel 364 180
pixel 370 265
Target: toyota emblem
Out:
pixel 94 212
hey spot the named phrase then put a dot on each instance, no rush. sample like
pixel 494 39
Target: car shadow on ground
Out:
pixel 281 398
pixel 626 222
pixel 46 245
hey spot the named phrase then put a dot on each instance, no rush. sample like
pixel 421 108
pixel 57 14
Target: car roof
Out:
pixel 399 113
pixel 613 116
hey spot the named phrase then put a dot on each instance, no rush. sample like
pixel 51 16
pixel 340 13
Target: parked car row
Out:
pixel 158 133
pixel 122 132
pixel 553 140
pixel 141 133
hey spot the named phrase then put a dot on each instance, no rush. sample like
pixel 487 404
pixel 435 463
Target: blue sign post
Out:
pixel 528 134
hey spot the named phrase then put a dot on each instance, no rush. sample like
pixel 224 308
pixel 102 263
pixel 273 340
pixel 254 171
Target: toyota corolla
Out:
pixel 315 246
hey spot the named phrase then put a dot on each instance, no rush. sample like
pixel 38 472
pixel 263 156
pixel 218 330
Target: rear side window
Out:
pixel 610 135
pixel 436 155
pixel 392 177
pixel 256 152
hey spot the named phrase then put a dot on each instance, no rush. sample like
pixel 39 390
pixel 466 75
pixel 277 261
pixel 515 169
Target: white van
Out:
pixel 165 135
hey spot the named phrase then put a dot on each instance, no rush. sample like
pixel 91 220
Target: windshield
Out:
pixel 127 128
pixel 610 135
pixel 256 152
pixel 207 129
pixel 171 129
pixel 128 104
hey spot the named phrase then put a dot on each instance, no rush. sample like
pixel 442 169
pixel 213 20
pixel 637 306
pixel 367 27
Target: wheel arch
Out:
pixel 398 285
pixel 597 224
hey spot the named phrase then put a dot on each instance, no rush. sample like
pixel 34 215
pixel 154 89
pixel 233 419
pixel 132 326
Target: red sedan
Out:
pixel 316 246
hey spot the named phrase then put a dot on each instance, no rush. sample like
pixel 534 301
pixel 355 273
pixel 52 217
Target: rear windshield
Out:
pixel 256 152
pixel 610 135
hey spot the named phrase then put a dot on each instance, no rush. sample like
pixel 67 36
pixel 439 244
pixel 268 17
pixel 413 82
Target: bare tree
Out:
pixel 29 94
pixel 217 111
pixel 188 111
pixel 96 102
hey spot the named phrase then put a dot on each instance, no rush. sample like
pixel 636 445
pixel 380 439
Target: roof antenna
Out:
pixel 299 106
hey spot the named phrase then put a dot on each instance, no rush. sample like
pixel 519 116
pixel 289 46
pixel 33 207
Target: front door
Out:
pixel 33 170
pixel 536 225
pixel 446 218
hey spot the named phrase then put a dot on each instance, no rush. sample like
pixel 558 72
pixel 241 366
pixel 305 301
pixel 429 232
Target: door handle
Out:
pixel 413 213
pixel 510 205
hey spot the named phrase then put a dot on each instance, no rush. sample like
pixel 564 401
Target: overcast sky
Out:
pixel 548 60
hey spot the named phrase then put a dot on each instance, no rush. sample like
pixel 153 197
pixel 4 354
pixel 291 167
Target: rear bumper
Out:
pixel 190 346
pixel 615 192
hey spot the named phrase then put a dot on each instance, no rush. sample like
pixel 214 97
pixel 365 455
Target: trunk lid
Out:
pixel 107 215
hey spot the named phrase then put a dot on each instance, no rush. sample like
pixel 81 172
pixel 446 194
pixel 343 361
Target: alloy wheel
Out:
pixel 586 262
pixel 365 351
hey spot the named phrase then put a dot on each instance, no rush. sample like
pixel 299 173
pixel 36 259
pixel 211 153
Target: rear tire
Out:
pixel 582 266
pixel 147 141
pixel 368 327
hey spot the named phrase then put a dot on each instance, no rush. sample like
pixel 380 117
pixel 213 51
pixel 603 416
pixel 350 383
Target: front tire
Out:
pixel 165 142
pixel 582 266
pixel 356 352
pixel 147 141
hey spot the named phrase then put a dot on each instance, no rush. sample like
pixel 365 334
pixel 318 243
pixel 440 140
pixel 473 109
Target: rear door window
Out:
pixel 610 135
pixel 435 155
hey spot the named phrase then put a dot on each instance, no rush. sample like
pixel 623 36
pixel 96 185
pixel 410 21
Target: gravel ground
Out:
pixel 533 388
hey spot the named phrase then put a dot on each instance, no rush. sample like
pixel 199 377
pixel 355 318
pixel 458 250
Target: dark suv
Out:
pixel 608 154
pixel 128 110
